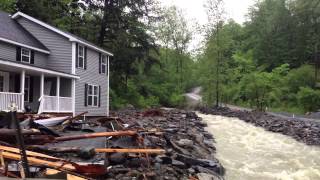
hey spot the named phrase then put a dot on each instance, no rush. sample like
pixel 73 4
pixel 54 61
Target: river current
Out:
pixel 251 153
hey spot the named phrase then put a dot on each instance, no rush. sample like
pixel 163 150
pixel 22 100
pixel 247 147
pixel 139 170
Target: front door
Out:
pixel 4 81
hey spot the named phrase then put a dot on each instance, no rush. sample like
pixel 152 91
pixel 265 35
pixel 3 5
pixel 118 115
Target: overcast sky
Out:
pixel 195 11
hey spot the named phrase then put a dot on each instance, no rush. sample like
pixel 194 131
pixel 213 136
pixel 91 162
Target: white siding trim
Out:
pixel 26 67
pixel 71 38
pixel 23 45
pixel 73 64
pixel 73 95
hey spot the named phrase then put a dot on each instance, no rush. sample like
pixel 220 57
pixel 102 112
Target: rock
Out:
pixel 136 162
pixel 205 176
pixel 210 164
pixel 185 142
pixel 199 138
pixel 87 153
pixel 117 158
pixel 163 159
pixel 178 164
pixel 191 170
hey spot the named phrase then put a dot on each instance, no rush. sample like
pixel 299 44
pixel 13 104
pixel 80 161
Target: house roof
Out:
pixel 33 68
pixel 13 33
pixel 68 35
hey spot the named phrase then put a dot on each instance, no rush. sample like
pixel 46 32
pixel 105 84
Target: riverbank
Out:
pixel 190 152
pixel 305 131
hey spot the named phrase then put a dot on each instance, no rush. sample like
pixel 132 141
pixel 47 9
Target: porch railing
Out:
pixel 7 98
pixel 55 104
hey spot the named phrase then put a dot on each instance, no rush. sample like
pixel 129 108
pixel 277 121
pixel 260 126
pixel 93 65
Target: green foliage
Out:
pixel 265 63
pixel 309 99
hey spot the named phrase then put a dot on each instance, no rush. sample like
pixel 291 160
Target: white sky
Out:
pixel 195 11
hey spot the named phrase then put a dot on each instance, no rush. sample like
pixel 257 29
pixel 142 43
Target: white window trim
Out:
pixel 83 49
pixel 27 88
pixel 104 64
pixel 93 95
pixel 28 56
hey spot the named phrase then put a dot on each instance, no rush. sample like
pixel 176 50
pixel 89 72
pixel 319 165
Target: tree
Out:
pixel 215 14
pixel 174 33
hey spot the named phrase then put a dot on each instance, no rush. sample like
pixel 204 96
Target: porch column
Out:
pixel 58 93
pixel 41 93
pixel 22 84
pixel 42 85
pixel 73 95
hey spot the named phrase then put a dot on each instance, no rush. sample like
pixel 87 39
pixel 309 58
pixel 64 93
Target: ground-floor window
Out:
pixel 27 89
pixel 93 95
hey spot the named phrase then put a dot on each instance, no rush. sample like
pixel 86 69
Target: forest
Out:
pixel 268 63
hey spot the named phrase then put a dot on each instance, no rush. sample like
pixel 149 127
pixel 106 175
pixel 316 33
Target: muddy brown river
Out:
pixel 251 153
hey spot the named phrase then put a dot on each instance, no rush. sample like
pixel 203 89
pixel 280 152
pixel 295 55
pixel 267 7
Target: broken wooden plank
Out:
pixel 97 150
pixel 96 135
pixel 40 162
pixel 29 153
pixel 12 132
pixel 146 151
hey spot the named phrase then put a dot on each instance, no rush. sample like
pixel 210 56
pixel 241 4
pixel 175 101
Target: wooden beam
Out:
pixel 147 151
pixel 96 135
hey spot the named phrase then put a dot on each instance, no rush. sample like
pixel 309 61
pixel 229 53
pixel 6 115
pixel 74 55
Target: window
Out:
pixel 25 55
pixel 81 56
pixel 93 95
pixel 27 89
pixel 103 64
pixel 1 83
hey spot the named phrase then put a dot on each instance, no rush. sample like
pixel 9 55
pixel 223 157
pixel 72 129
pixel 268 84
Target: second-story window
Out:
pixel 81 57
pixel 104 65
pixel 25 55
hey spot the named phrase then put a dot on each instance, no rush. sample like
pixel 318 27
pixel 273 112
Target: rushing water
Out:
pixel 251 153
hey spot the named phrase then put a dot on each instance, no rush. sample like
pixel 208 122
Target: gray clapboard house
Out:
pixel 50 70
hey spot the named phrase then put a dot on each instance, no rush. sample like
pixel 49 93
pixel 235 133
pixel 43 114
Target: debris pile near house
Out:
pixel 306 131
pixel 154 144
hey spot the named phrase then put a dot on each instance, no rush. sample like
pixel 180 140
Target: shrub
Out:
pixel 309 99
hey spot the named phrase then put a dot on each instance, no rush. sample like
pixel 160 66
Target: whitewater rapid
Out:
pixel 251 153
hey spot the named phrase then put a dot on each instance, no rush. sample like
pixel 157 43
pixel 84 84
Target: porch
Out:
pixel 33 89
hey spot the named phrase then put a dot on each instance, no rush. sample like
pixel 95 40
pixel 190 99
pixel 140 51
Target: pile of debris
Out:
pixel 154 144
pixel 306 131
pixel 189 148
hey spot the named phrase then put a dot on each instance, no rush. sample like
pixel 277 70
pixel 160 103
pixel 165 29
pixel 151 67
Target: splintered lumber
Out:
pixel 29 153
pixel 71 119
pixel 96 135
pixel 147 151
pixel 40 162
pixel 97 150
pixel 12 132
